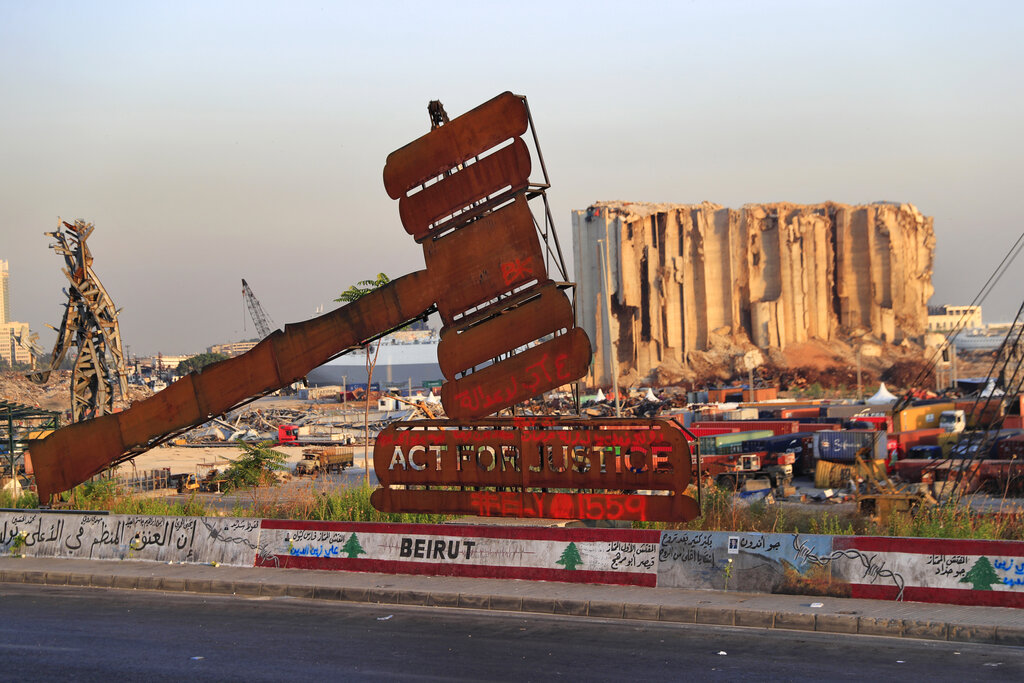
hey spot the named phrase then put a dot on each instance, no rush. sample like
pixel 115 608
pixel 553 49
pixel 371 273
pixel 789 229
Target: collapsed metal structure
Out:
pixel 18 424
pixel 509 334
pixel 90 325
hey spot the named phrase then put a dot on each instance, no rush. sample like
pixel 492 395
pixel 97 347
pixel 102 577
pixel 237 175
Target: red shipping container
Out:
pixel 1012 447
pixel 1013 422
pixel 797 413
pixel 904 441
pixel 712 431
pixel 776 426
pixel 817 427
pixel 880 423
pixel 980 415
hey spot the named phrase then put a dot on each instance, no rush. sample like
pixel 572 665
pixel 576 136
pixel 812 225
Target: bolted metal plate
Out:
pixel 507 170
pixel 527 321
pixel 463 138
pixel 540 368
pixel 492 256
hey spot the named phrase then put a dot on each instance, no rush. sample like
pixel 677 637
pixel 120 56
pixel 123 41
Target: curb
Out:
pixel 716 616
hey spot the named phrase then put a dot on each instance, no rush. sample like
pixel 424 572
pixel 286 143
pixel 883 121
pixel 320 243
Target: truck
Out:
pixel 953 421
pixel 330 459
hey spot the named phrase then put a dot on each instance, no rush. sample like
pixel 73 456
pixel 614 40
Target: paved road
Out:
pixel 93 634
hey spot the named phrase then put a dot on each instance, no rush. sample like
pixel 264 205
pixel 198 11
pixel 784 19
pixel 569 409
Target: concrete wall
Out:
pixel 776 274
pixel 970 572
pixel 203 540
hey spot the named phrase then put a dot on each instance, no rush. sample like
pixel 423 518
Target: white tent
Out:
pixel 882 396
pixel 600 396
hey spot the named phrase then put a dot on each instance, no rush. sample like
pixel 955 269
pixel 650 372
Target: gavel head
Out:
pixel 509 331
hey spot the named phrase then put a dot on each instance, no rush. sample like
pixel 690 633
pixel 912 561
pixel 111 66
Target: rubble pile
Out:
pixel 56 393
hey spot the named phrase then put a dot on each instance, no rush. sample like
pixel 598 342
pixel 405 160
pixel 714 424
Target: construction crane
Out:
pixel 264 325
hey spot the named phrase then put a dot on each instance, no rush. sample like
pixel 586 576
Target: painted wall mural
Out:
pixel 919 569
pixel 577 555
pixel 205 540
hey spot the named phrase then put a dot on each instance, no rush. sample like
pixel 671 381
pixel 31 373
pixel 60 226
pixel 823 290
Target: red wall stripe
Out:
pixel 949 596
pixel 525 533
pixel 466 570
pixel 928 546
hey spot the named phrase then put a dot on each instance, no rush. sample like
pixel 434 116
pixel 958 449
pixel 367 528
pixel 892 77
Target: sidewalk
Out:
pixel 995 625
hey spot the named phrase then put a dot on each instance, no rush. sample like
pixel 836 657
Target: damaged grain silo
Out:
pixel 771 274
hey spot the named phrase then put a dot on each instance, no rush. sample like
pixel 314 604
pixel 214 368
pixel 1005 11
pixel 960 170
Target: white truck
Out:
pixel 953 421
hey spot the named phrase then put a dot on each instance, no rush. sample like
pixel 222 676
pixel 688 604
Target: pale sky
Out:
pixel 214 141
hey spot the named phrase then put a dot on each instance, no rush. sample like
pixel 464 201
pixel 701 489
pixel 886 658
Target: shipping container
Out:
pixel 724 444
pixel 844 445
pixel 922 416
pixel 875 421
pixel 713 431
pixel 844 411
pixel 741 414
pixel 818 427
pixel 799 413
pixel 900 443
pixel 775 426
pixel 1010 447
pixel 980 414
pixel 697 397
pixel 683 418
pixel 800 444
pixel 1014 421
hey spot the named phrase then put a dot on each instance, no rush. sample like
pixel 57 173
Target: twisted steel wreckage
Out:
pixel 90 324
pixel 464 193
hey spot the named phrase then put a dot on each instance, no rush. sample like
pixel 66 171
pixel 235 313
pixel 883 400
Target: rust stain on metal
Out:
pixel 534 371
pixel 510 463
pixel 539 505
pixel 506 170
pixel 454 143
pixel 462 349
pixel 490 257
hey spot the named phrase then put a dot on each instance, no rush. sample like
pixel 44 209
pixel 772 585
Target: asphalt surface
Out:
pixel 92 634
pixel 908 620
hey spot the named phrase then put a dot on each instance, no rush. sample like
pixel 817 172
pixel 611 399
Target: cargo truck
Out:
pixel 330 459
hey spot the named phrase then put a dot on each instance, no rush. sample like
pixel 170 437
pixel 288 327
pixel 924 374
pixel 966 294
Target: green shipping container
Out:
pixel 724 444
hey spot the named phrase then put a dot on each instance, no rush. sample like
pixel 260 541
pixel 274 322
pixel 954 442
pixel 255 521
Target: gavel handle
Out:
pixel 73 454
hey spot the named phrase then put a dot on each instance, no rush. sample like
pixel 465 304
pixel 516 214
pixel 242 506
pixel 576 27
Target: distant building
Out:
pixel 15 337
pixel 945 318
pixel 5 297
pixel 160 362
pixel 233 349
pixel 14 343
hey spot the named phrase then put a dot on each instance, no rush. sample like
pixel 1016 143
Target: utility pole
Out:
pixel 952 370
pixel 860 385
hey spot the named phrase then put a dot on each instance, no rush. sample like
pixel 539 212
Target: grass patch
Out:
pixel 722 511
pixel 317 504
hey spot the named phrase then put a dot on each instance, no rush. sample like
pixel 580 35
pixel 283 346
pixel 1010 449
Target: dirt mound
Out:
pixel 830 365
pixel 910 372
